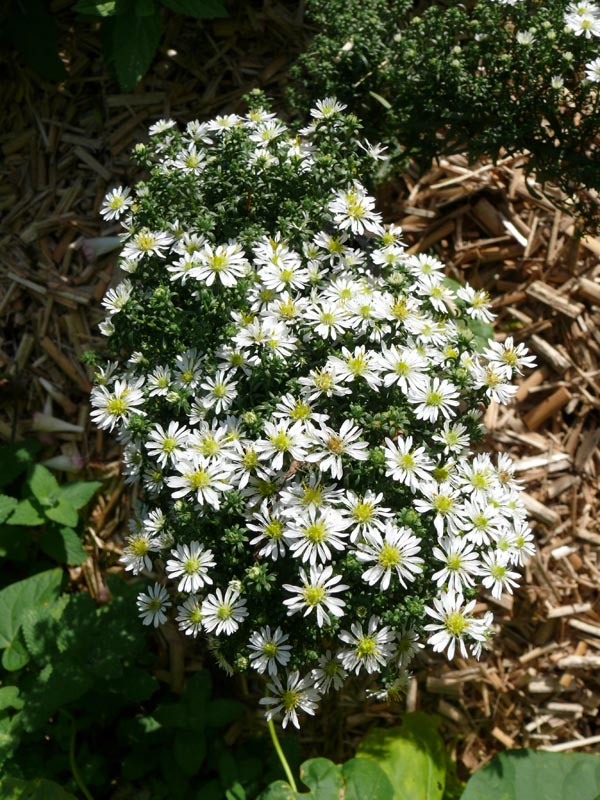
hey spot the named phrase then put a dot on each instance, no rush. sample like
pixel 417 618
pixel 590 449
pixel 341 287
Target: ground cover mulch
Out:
pixel 63 147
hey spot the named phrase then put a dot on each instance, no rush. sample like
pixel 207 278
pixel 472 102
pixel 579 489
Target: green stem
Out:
pixel 73 764
pixel 282 758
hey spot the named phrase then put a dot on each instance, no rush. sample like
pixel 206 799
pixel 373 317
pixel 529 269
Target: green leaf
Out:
pixel 43 485
pixel 323 777
pixel 385 103
pixel 15 655
pixel 63 513
pixel 366 780
pixel 64 545
pixel 25 514
pixel 9 698
pixel 79 493
pixel 95 9
pixel 528 774
pixel 39 590
pixel 7 504
pixel 145 8
pixel 36 789
pixel 190 751
pixel 222 711
pixel 412 756
pixel 135 41
pixel 15 459
pixel 201 9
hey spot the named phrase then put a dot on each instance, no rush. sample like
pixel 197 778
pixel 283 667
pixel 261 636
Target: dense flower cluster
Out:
pixel 299 403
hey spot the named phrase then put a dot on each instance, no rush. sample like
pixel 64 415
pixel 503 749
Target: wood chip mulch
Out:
pixel 63 148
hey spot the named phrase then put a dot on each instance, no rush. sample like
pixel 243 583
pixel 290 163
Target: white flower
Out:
pixel 159 382
pixel 136 554
pixel 583 21
pixel 477 303
pixel 370 650
pixel 199 476
pixel 190 616
pixel 495 380
pixel 461 564
pixel 220 391
pixel 454 623
pixel 407 646
pixel 223 613
pixel 191 160
pixel 444 500
pixel 314 534
pixel 270 527
pixel 117 405
pixel 269 650
pixel 297 695
pixel 359 363
pixel 167 446
pixel 365 512
pixel 592 70
pixel 315 593
pixel 393 551
pixel 406 464
pixel 497 576
pixel 146 242
pixel 161 126
pixel 326 108
pixel 454 437
pixel 151 606
pixel 190 563
pixel 324 381
pixel 435 398
pixel 329 674
pixel 297 409
pixel 505 354
pixel 329 446
pixel 116 203
pixel 329 320
pixel 226 262
pixel 283 438
pixel 188 370
pixel 403 366
pixel 353 208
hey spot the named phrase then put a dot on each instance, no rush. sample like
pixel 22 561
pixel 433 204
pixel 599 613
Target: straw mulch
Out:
pixel 64 146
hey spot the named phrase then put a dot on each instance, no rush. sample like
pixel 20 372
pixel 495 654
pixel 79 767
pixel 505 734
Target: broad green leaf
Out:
pixel 529 774
pixel 482 333
pixel 16 599
pixel 25 514
pixel 190 751
pixel 412 756
pixel 15 459
pixel 7 505
pixel 43 485
pixel 95 9
pixel 279 790
pixel 64 545
pixel 364 779
pixel 201 9
pixel 37 789
pixel 323 777
pixel 9 698
pixel 222 711
pixel 15 655
pixel 135 41
pixel 79 493
pixel 63 513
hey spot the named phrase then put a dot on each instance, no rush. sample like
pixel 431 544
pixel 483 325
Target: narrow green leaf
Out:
pixel 135 41
pixel 201 9
pixel 95 9
pixel 16 599
pixel 385 103
pixel 64 545
pixel 79 493
pixel 25 514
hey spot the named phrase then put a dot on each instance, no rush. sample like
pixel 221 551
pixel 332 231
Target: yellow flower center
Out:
pixel 389 557
pixel 313 595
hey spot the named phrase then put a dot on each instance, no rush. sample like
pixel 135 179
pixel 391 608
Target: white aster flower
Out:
pixel 116 203
pixel 152 606
pixel 189 618
pixel 438 396
pixel 407 464
pixel 167 446
pixel 298 694
pixel 220 391
pixel 328 446
pixel 313 535
pixel 269 525
pixel 283 438
pixel 460 564
pixel 393 551
pixel 325 382
pixel 496 574
pixel 329 674
pixel 453 624
pixel 365 512
pixel 226 262
pixel 117 405
pixel 223 613
pixel 190 563
pixel 204 479
pixel 370 650
pixel 136 554
pixel 326 108
pixel 592 70
pixel 353 208
pixel 269 650
pixel 146 242
pixel 316 593
pixel 359 363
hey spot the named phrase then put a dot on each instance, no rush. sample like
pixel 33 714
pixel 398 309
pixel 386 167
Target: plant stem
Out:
pixel 73 764
pixel 282 758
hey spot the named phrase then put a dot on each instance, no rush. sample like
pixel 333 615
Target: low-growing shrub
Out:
pixel 298 398
pixel 486 78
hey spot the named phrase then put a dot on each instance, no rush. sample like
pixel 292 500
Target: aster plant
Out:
pixel 299 399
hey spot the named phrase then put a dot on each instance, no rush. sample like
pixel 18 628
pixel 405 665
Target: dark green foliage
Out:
pixel 438 78
pixel 131 32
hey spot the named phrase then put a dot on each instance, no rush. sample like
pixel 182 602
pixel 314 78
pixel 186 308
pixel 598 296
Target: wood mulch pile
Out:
pixel 63 148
